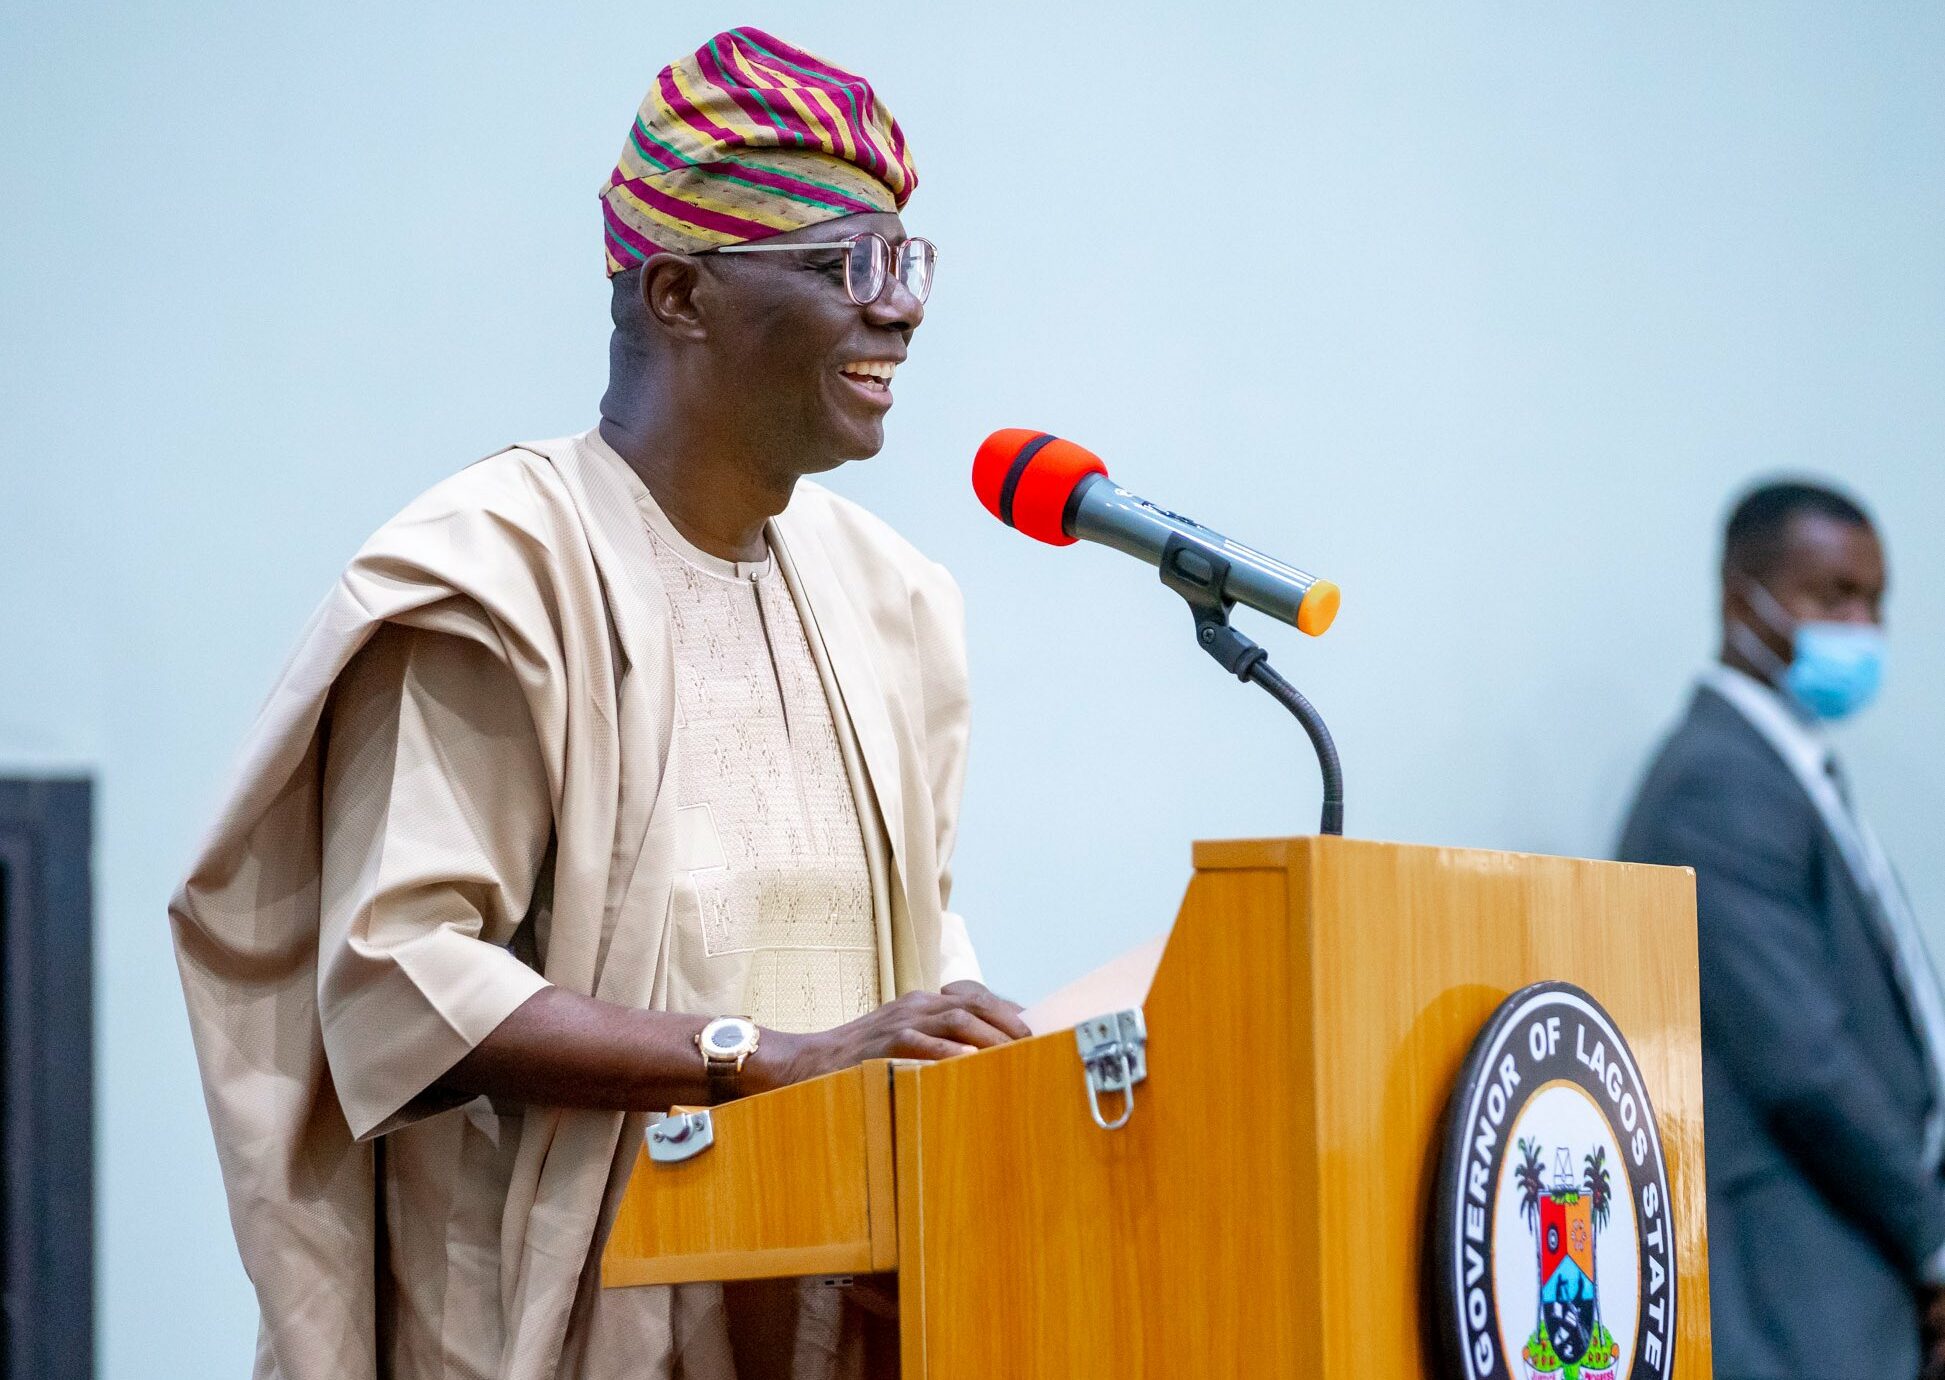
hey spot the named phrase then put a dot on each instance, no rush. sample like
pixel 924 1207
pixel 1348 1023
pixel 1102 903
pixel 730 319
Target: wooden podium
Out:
pixel 1263 1210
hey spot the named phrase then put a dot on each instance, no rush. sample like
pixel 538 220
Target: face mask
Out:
pixel 1835 668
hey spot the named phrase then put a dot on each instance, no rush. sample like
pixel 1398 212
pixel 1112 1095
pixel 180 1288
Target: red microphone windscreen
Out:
pixel 1024 478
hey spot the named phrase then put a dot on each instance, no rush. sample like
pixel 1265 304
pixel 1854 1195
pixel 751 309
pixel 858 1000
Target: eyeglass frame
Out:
pixel 892 256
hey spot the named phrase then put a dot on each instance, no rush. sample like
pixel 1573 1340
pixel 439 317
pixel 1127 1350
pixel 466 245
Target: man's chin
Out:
pixel 854 444
pixel 870 447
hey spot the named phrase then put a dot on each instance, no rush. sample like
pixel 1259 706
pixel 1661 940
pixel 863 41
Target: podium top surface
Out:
pixel 1231 855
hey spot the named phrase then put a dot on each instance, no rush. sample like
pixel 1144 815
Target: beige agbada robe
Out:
pixel 539 556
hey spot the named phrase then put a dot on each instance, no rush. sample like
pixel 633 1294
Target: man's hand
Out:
pixel 919 1025
pixel 968 988
pixel 561 1049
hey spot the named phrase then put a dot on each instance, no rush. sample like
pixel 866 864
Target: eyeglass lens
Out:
pixel 869 261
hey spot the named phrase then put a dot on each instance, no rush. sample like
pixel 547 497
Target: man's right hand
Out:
pixel 561 1049
pixel 918 1025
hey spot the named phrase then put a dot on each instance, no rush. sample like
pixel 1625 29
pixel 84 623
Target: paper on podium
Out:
pixel 1116 985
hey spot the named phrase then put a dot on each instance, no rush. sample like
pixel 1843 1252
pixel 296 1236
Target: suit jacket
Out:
pixel 537 559
pixel 1822 1209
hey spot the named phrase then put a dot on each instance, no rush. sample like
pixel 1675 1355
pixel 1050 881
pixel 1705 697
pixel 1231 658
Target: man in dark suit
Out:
pixel 1823 1027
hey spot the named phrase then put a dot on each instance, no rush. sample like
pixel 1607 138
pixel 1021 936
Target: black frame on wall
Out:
pixel 47 1078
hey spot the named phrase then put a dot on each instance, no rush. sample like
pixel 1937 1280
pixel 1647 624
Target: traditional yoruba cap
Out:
pixel 745 138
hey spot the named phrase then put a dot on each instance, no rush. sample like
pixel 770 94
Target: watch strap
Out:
pixel 724 1070
pixel 725 1079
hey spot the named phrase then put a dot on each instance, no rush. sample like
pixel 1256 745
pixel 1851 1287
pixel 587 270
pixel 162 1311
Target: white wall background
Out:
pixel 1482 310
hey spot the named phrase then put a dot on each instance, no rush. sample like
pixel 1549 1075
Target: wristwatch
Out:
pixel 725 1043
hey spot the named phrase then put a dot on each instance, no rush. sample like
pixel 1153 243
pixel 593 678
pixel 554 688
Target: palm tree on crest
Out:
pixel 1531 1179
pixel 1594 1182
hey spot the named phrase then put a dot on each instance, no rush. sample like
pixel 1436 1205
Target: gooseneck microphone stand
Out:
pixel 1200 576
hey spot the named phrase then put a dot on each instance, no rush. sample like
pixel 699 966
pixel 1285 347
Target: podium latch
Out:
pixel 1114 1056
pixel 680 1136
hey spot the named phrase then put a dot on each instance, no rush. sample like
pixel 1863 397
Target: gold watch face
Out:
pixel 728 1038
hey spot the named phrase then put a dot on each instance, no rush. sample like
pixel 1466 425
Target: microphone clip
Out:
pixel 1200 576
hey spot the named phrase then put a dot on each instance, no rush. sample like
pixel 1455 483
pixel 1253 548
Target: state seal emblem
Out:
pixel 1552 1254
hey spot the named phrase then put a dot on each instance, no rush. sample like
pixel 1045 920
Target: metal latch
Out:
pixel 680 1136
pixel 1114 1055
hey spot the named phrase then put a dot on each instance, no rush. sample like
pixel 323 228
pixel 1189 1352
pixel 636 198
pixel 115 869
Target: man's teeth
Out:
pixel 879 369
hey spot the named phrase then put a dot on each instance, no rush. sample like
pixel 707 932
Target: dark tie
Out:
pixel 1836 775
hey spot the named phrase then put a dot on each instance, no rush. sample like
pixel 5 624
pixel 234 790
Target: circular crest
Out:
pixel 1552 1250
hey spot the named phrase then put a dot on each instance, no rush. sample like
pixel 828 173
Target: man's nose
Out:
pixel 897 308
pixel 1857 609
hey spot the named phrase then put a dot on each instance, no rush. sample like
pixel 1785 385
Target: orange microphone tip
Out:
pixel 1319 608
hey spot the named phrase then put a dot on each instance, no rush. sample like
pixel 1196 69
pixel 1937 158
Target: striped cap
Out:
pixel 745 138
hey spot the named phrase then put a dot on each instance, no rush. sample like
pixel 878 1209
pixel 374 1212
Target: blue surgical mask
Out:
pixel 1835 668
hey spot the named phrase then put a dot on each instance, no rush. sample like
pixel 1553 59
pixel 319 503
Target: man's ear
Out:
pixel 668 288
pixel 1735 604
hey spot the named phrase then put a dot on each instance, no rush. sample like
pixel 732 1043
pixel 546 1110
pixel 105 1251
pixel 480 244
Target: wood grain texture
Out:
pixel 909 1145
pixel 1411 950
pixel 1041 1246
pixel 1262 1214
pixel 799 1182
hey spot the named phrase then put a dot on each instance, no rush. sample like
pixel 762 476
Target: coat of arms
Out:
pixel 1566 1214
pixel 1553 1240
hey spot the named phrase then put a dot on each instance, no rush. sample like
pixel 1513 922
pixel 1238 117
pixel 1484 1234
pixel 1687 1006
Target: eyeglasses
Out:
pixel 868 263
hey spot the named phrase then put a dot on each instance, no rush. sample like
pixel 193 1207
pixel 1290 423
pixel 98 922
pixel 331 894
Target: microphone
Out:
pixel 1060 493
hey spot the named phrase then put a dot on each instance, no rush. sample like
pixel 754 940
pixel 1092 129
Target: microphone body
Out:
pixel 1058 492
pixel 1102 511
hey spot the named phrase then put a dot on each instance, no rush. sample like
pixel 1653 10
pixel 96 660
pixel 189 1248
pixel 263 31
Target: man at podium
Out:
pixel 1823 1028
pixel 618 772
